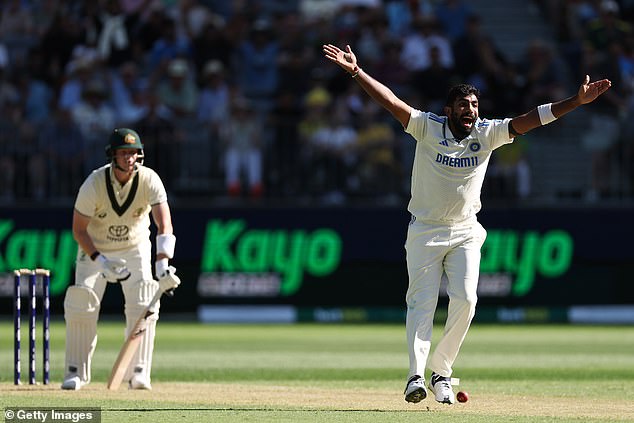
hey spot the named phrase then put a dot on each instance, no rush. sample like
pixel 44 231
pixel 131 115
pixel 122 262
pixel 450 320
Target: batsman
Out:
pixel 111 224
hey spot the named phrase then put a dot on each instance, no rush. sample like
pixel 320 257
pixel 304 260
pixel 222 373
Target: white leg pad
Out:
pixel 81 312
pixel 141 364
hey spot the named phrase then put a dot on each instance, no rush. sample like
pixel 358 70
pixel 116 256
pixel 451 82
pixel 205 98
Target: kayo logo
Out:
pixel 232 248
pixel 31 248
pixel 525 255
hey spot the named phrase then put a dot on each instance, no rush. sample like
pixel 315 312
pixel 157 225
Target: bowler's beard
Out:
pixel 457 127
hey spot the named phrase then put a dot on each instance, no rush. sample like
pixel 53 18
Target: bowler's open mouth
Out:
pixel 467 121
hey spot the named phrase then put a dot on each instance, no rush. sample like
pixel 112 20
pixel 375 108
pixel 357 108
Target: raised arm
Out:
pixel 379 92
pixel 546 113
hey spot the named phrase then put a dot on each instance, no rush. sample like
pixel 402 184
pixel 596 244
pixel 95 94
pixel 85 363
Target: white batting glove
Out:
pixel 168 279
pixel 114 270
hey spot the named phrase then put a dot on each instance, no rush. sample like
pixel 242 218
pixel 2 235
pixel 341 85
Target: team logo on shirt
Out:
pixel 475 147
pixel 118 233
pixel 102 215
pixel 138 212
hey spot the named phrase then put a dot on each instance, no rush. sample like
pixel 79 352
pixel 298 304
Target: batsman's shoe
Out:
pixel 415 390
pixel 139 382
pixel 72 383
pixel 441 387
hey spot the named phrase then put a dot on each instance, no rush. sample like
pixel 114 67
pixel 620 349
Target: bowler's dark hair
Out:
pixel 460 91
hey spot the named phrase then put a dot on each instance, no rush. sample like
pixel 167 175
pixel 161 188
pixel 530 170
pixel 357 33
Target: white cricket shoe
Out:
pixel 441 387
pixel 415 390
pixel 139 382
pixel 72 383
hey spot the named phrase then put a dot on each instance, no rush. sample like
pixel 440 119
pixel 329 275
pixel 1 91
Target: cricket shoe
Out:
pixel 415 390
pixel 72 383
pixel 139 382
pixel 441 387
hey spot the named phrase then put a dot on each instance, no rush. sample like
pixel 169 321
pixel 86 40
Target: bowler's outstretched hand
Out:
pixel 346 59
pixel 589 91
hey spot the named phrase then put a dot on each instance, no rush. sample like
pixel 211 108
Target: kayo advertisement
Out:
pixel 336 257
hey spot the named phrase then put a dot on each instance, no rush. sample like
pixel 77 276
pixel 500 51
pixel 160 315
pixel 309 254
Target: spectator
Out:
pixel 114 33
pixel 169 46
pixel 191 17
pixel 335 155
pixel 16 29
pixel 178 92
pixel 256 64
pixel 603 135
pixel 161 140
pixel 433 83
pixel 242 137
pixel 607 27
pixel 544 74
pixel 95 119
pixel 64 144
pixel 213 102
pixel 314 119
pixel 127 85
pixel 283 156
pixel 78 73
pixel 378 170
pixel 452 16
pixel 415 55
pixel 212 44
pixel 25 175
pixel 57 45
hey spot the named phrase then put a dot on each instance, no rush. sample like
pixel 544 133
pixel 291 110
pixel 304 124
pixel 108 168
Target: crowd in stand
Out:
pixel 233 99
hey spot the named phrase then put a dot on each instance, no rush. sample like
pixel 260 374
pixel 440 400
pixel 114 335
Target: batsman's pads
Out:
pixel 81 311
pixel 168 280
pixel 113 270
pixel 142 359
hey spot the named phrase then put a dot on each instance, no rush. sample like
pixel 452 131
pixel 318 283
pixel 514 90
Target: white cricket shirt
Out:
pixel 119 214
pixel 448 174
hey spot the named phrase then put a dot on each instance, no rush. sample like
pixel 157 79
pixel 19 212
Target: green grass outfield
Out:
pixel 344 373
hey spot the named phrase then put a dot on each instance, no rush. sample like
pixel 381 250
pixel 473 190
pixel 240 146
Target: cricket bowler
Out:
pixel 444 235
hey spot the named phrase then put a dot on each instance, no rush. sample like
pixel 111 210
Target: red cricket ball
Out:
pixel 462 396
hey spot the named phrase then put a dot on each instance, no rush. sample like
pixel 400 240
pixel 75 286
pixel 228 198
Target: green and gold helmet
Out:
pixel 124 138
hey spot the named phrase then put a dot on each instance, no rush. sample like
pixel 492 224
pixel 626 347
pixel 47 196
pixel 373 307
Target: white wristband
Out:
pixel 545 114
pixel 165 244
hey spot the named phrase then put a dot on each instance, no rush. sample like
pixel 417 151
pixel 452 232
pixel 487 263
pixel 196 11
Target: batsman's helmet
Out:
pixel 124 138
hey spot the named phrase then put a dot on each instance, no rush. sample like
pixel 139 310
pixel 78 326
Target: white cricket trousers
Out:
pixel 431 250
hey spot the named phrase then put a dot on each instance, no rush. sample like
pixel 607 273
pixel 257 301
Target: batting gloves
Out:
pixel 114 270
pixel 168 279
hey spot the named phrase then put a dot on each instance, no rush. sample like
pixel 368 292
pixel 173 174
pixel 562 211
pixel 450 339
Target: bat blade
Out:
pixel 130 346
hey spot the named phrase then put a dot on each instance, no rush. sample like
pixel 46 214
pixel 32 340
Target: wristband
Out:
pixel 165 244
pixel 355 71
pixel 545 114
pixel 94 255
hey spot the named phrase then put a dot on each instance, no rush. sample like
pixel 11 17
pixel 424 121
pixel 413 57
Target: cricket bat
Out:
pixel 131 345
